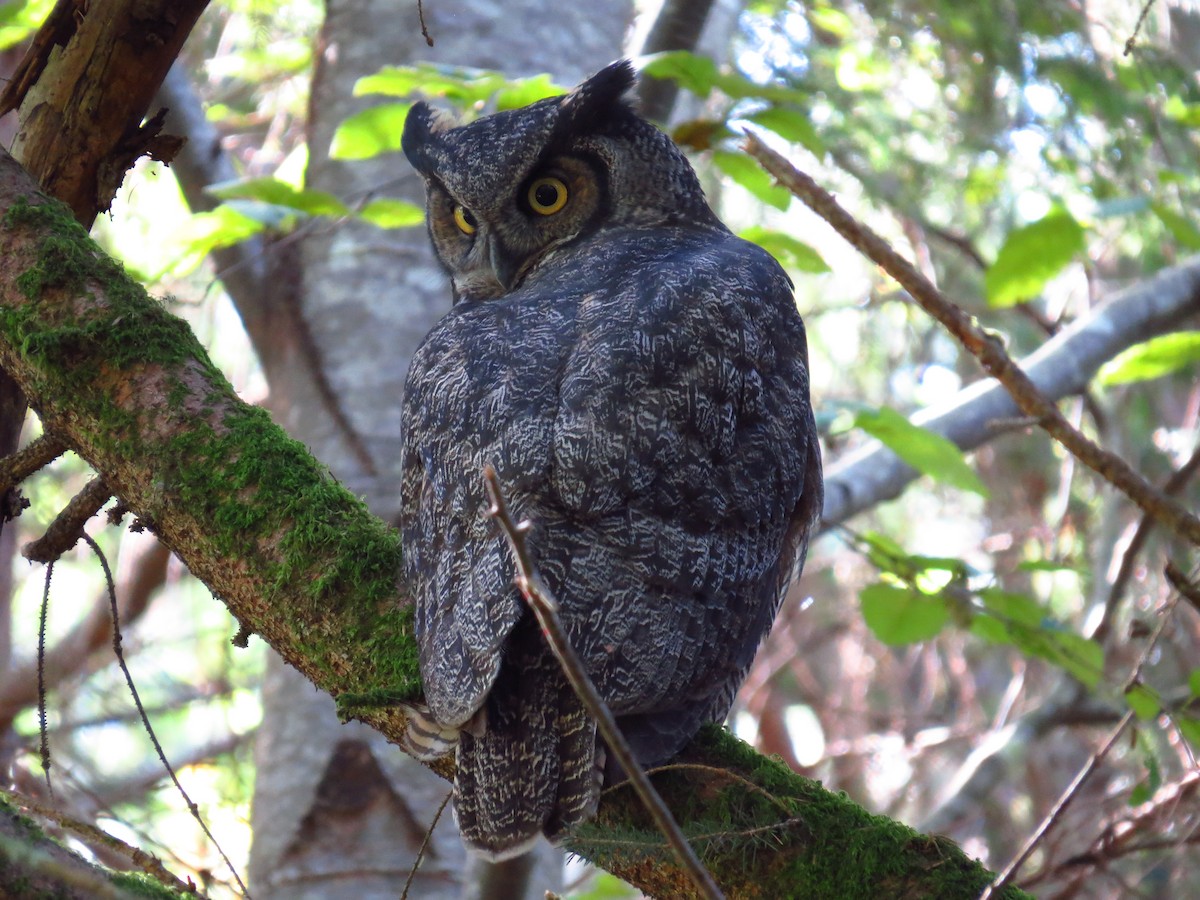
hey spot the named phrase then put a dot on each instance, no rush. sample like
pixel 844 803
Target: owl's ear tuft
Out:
pixel 595 98
pixel 421 128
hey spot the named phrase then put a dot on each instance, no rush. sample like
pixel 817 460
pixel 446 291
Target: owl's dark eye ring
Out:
pixel 464 219
pixel 546 196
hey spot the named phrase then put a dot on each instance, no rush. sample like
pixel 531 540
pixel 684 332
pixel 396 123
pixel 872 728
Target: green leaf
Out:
pixel 1045 565
pixel 1189 726
pixel 1153 358
pixel 901 616
pixel 1143 701
pixel 280 193
pixel 1031 256
pixel 791 253
pixel 690 71
pixel 20 20
pixel 749 175
pixel 1185 233
pixel 790 124
pixel 392 213
pixel 524 91
pixel 370 132
pixel 921 448
pixel 204 232
pixel 465 87
pixel 1025 625
pixel 700 75
pixel 1194 682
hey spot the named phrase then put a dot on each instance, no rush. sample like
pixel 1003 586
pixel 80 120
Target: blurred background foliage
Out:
pixel 951 657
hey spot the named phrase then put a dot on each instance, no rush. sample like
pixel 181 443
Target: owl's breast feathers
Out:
pixel 644 398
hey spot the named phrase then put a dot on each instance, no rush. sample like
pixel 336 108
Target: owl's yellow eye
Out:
pixel 464 220
pixel 547 196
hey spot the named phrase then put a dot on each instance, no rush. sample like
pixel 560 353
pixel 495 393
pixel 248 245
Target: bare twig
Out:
pixel 545 607
pixel 137 700
pixel 1131 41
pixel 424 30
pixel 1090 766
pixel 984 346
pixel 412 873
pixel 1173 485
pixel 67 527
pixel 43 734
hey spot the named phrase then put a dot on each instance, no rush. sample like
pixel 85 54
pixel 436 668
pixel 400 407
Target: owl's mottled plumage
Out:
pixel 638 377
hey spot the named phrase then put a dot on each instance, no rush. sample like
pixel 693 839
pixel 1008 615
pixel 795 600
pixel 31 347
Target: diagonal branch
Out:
pixel 545 607
pixel 984 346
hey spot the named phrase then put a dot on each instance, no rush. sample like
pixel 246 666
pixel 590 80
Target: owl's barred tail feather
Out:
pixel 532 771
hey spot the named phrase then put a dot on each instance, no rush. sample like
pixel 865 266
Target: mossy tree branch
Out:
pixel 299 561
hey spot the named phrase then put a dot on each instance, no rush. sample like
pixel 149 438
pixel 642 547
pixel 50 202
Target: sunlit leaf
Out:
pixel 1186 234
pixel 392 213
pixel 925 451
pixel 791 253
pixel 465 87
pixel 1026 625
pixel 749 175
pixel 898 615
pixel 204 232
pixel 370 132
pixel 690 71
pixel 790 124
pixel 1031 256
pixel 280 193
pixel 1153 358
pixel 1143 701
pixel 20 20
pixel 524 91
pixel 1194 682
pixel 700 75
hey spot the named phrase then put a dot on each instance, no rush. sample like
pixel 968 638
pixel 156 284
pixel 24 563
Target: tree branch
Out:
pixel 1059 368
pixel 981 344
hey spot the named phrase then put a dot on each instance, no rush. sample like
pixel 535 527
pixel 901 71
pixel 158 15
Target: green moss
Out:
pixel 240 473
pixel 141 885
pixel 777 836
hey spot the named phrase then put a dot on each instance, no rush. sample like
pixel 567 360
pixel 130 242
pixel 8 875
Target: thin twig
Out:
pixel 137 700
pixel 67 528
pixel 424 31
pixel 1131 41
pixel 983 345
pixel 1072 790
pixel 43 732
pixel 1173 485
pixel 545 607
pixel 412 873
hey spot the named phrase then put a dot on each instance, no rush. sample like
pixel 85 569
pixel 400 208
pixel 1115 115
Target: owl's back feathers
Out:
pixel 643 396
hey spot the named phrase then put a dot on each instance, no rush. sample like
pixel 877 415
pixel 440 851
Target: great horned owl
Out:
pixel 638 377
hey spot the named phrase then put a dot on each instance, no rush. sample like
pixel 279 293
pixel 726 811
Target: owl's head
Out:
pixel 508 189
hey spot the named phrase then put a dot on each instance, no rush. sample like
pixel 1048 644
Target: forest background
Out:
pixel 971 631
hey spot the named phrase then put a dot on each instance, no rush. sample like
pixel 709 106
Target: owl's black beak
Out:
pixel 504 267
